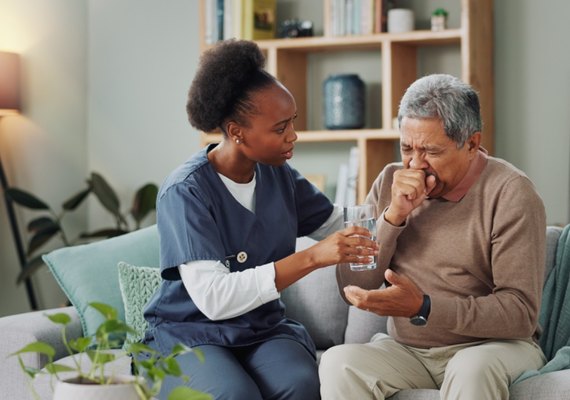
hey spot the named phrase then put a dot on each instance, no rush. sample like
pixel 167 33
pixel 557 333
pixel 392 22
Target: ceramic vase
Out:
pixel 122 389
pixel 344 102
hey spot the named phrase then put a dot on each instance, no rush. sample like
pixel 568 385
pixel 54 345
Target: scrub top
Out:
pixel 199 219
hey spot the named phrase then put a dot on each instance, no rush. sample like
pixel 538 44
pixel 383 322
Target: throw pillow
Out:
pixel 88 272
pixel 137 284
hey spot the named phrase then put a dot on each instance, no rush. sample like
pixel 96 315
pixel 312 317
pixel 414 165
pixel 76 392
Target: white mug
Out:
pixel 400 20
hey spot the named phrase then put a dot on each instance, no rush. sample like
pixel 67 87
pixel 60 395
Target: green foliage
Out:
pixel 440 11
pixel 147 361
pixel 48 224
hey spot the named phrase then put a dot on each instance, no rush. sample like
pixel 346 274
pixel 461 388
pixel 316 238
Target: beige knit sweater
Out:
pixel 481 259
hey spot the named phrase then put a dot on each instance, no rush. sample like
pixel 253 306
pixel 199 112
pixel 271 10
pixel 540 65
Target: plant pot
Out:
pixel 122 389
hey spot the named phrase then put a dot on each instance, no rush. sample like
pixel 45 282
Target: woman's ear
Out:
pixel 234 132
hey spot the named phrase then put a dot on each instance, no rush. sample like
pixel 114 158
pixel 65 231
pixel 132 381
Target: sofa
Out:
pixel 90 273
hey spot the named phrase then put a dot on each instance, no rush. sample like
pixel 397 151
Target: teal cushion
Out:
pixel 88 273
pixel 137 284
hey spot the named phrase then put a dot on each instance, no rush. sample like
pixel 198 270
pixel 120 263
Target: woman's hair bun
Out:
pixel 222 78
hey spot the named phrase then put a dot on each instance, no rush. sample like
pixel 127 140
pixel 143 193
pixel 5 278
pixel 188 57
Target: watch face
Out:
pixel 418 320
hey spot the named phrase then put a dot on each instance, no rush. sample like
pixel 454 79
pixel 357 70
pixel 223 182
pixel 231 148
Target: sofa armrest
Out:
pixel 19 330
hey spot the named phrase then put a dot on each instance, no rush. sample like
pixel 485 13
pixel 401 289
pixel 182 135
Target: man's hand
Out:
pixel 402 299
pixel 409 189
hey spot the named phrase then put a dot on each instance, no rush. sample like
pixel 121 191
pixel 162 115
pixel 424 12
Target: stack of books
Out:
pixel 240 19
pixel 355 17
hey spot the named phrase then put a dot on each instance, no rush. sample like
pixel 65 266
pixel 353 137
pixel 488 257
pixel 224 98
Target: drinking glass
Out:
pixel 363 215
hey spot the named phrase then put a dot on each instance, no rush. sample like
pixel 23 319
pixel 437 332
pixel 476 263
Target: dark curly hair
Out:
pixel 222 89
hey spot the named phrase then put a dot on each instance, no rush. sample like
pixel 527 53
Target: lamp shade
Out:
pixel 9 83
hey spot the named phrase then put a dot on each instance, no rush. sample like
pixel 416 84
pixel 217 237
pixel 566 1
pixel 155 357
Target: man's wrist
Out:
pixel 393 219
pixel 421 318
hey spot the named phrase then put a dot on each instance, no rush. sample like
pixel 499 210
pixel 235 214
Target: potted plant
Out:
pixel 74 382
pixel 439 19
pixel 48 223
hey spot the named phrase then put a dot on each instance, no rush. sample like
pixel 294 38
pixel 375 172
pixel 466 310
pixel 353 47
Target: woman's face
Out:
pixel 270 137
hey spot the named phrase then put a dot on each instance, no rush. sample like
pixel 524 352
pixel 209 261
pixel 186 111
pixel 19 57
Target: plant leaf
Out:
pixel 41 223
pixel 74 201
pixel 144 201
pixel 41 237
pixel 106 310
pixel 26 199
pixel 30 268
pixel 53 368
pixel 171 367
pixel 138 348
pixel 37 347
pixel 186 393
pixel 105 194
pixel 101 357
pixel 80 344
pixel 199 354
pixel 114 326
pixel 59 318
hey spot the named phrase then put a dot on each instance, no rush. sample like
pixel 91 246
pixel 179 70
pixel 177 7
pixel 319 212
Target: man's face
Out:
pixel 425 146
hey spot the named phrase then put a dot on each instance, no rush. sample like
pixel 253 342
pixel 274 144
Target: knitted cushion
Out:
pixel 137 284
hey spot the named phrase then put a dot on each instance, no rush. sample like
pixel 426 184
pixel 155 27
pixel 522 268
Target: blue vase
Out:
pixel 344 101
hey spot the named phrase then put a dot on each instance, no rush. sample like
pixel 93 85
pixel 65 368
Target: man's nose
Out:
pixel 418 161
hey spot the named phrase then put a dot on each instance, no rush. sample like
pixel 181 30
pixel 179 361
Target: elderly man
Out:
pixel 461 237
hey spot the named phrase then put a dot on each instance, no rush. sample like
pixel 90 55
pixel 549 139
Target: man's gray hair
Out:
pixel 445 97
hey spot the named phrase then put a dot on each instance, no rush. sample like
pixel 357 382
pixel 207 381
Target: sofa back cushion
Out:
pixel 315 302
pixel 88 273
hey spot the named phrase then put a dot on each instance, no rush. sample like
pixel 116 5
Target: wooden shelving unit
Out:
pixel 287 59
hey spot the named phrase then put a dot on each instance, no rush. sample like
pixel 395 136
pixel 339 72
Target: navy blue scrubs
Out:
pixel 199 219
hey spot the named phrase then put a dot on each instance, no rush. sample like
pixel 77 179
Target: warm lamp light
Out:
pixel 9 83
pixel 10 104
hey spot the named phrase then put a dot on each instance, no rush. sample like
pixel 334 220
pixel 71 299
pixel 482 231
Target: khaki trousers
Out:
pixel 379 369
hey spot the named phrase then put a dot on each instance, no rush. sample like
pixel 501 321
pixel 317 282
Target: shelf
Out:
pixel 400 56
pixel 326 136
pixel 363 42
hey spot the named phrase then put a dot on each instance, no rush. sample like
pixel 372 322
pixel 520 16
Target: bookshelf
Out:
pixel 288 60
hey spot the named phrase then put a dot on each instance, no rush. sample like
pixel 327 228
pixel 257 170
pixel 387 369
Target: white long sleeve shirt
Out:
pixel 220 294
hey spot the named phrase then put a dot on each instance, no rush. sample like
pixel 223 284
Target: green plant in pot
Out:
pixel 73 380
pixel 48 223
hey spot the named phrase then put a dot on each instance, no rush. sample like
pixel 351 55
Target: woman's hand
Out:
pixel 353 244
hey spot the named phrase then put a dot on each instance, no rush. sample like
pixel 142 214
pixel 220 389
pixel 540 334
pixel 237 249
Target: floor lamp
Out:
pixel 10 104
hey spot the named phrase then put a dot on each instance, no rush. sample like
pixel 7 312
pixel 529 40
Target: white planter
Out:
pixel 122 390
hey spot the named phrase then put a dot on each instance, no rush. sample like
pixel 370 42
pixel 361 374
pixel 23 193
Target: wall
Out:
pixel 43 149
pixel 532 96
pixel 142 57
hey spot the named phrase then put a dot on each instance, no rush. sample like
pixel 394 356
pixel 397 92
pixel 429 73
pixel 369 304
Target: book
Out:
pixel 352 176
pixel 380 16
pixel 341 185
pixel 259 19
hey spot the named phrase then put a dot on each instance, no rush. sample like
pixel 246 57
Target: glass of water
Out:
pixel 363 215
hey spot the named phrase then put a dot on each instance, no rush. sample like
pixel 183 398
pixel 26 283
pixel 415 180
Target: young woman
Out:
pixel 228 219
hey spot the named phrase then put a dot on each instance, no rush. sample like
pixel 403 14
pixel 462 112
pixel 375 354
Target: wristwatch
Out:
pixel 420 319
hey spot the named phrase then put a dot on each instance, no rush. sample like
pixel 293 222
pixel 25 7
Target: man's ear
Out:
pixel 474 142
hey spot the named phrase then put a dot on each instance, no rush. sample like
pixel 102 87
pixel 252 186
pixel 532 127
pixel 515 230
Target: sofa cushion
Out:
pixel 362 325
pixel 137 284
pixel 314 301
pixel 88 273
